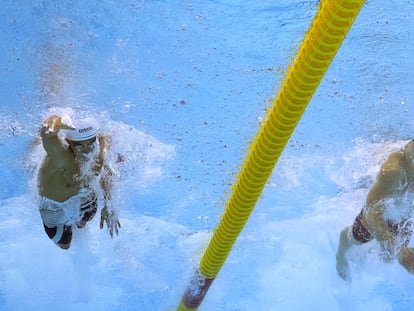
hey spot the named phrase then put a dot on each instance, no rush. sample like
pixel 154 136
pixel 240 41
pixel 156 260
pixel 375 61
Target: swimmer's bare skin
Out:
pixel 59 174
pixel 395 179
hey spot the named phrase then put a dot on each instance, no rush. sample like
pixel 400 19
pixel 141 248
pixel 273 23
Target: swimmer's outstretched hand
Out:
pixel 111 220
pixel 55 123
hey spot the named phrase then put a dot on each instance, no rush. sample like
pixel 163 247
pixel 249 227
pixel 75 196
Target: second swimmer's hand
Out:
pixel 109 217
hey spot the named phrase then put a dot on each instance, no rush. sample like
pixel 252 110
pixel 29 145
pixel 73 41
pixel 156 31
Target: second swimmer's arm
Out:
pixel 384 187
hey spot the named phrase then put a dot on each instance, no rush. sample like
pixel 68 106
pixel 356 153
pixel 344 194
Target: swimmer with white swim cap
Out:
pixel 83 129
pixel 70 176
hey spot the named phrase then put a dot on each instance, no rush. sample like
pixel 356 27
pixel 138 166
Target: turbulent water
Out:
pixel 182 86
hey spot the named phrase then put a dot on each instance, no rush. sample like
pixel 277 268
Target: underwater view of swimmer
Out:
pixel 71 173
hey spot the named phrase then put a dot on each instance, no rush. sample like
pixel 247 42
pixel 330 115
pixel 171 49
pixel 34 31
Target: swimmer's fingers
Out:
pixel 117 225
pixel 53 124
pixel 114 227
pixel 111 221
pixel 66 123
pixel 104 217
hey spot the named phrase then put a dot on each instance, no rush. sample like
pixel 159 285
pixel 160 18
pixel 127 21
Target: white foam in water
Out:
pixel 200 87
pixel 148 265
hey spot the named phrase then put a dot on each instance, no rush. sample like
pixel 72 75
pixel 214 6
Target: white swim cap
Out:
pixel 84 129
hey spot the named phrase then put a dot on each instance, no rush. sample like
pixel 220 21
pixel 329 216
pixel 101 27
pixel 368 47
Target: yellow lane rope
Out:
pixel 326 33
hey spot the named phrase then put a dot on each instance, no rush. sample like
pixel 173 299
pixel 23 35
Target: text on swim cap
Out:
pixel 85 129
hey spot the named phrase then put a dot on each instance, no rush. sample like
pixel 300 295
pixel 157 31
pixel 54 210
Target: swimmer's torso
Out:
pixel 58 181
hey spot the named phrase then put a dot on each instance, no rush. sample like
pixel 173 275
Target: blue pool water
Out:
pixel 182 87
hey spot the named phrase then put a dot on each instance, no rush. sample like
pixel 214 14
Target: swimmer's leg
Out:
pixel 346 241
pixel 61 235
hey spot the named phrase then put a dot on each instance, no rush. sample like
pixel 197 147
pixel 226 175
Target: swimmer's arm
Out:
pixel 107 176
pixel 106 183
pixel 51 142
pixel 108 212
pixel 386 184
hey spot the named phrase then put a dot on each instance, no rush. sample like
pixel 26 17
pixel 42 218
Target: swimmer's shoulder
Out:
pixel 393 163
